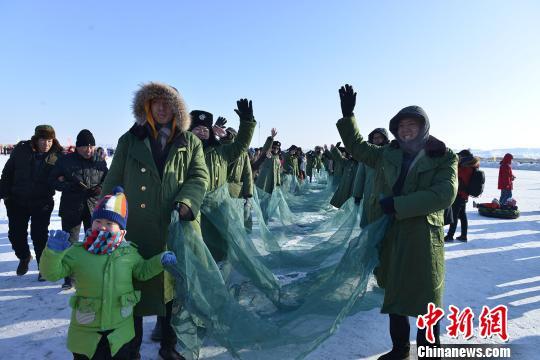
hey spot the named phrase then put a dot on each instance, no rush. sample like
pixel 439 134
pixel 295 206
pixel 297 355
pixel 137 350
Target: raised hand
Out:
pixel 273 132
pixel 168 258
pixel 348 100
pixel 245 109
pixel 58 240
pixel 338 144
pixel 219 131
pixel 220 122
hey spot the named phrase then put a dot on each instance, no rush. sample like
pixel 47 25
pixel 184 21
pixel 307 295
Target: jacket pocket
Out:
pixel 436 218
pixel 85 309
pixel 127 302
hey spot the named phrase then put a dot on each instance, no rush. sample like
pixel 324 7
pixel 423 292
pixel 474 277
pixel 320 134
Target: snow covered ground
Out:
pixel 499 265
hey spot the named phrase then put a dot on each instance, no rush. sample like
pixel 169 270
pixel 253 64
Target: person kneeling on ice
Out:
pixel 415 180
pixel 104 264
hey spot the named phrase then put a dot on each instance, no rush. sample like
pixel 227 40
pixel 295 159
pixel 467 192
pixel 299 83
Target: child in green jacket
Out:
pixel 104 265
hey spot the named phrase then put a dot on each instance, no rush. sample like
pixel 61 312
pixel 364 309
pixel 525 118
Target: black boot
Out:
pixel 156 333
pixel 448 238
pixel 23 266
pixel 399 332
pixel 462 238
pixel 67 284
pixel 396 354
pixel 40 278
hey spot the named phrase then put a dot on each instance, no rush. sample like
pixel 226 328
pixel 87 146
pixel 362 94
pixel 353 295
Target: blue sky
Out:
pixel 473 65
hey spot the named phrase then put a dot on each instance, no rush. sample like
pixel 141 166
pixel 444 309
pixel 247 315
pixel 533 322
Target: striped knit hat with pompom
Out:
pixel 113 207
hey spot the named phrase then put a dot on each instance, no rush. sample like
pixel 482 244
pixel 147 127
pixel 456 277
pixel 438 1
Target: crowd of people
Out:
pixel 171 159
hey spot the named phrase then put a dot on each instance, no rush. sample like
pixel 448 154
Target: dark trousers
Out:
pixel 505 195
pixel 72 224
pixel 400 330
pixel 459 213
pixel 19 214
pixel 103 351
pixel 168 336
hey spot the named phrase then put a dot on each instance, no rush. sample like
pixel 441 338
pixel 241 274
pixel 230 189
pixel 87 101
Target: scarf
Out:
pixel 103 242
pixel 162 137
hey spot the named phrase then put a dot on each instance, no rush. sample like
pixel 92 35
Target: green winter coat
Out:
pixel 217 161
pixel 345 187
pixel 104 297
pixel 151 199
pixel 290 165
pixel 240 177
pixel 412 256
pixel 339 162
pixel 363 189
pixel 270 171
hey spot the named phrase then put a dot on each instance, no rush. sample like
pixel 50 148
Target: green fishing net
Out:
pixel 286 283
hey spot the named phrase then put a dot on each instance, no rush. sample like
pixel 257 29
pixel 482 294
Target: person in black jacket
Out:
pixel 28 195
pixel 78 176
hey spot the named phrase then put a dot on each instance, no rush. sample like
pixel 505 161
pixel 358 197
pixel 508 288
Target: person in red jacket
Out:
pixel 506 178
pixel 466 166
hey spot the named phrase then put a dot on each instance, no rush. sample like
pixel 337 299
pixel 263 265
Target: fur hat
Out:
pixel 201 118
pixel 155 90
pixel 113 207
pixel 44 132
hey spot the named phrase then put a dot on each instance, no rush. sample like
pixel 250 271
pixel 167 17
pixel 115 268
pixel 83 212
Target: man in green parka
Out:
pixel 346 185
pixel 363 180
pixel 268 165
pixel 161 167
pixel 290 165
pixel 239 174
pixel 240 178
pixel 416 179
pixel 217 157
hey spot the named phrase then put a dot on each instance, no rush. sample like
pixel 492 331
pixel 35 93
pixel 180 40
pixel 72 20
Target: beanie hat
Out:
pixel 276 143
pixel 113 207
pixel 465 153
pixel 44 132
pixel 85 138
pixel 201 118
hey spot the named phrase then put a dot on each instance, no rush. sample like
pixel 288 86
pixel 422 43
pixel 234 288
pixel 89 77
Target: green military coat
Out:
pixel 217 161
pixel 290 165
pixel 346 184
pixel 151 199
pixel 412 255
pixel 363 189
pixel 270 171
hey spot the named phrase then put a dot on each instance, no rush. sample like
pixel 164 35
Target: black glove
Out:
pixel 245 109
pixel 348 100
pixel 221 121
pixel 387 205
pixel 338 143
pixel 94 191
pixel 184 212
pixel 357 200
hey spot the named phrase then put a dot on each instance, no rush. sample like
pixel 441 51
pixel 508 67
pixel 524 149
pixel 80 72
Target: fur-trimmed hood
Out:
pixel 155 90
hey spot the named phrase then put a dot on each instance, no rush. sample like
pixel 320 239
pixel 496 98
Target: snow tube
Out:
pixel 499 213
